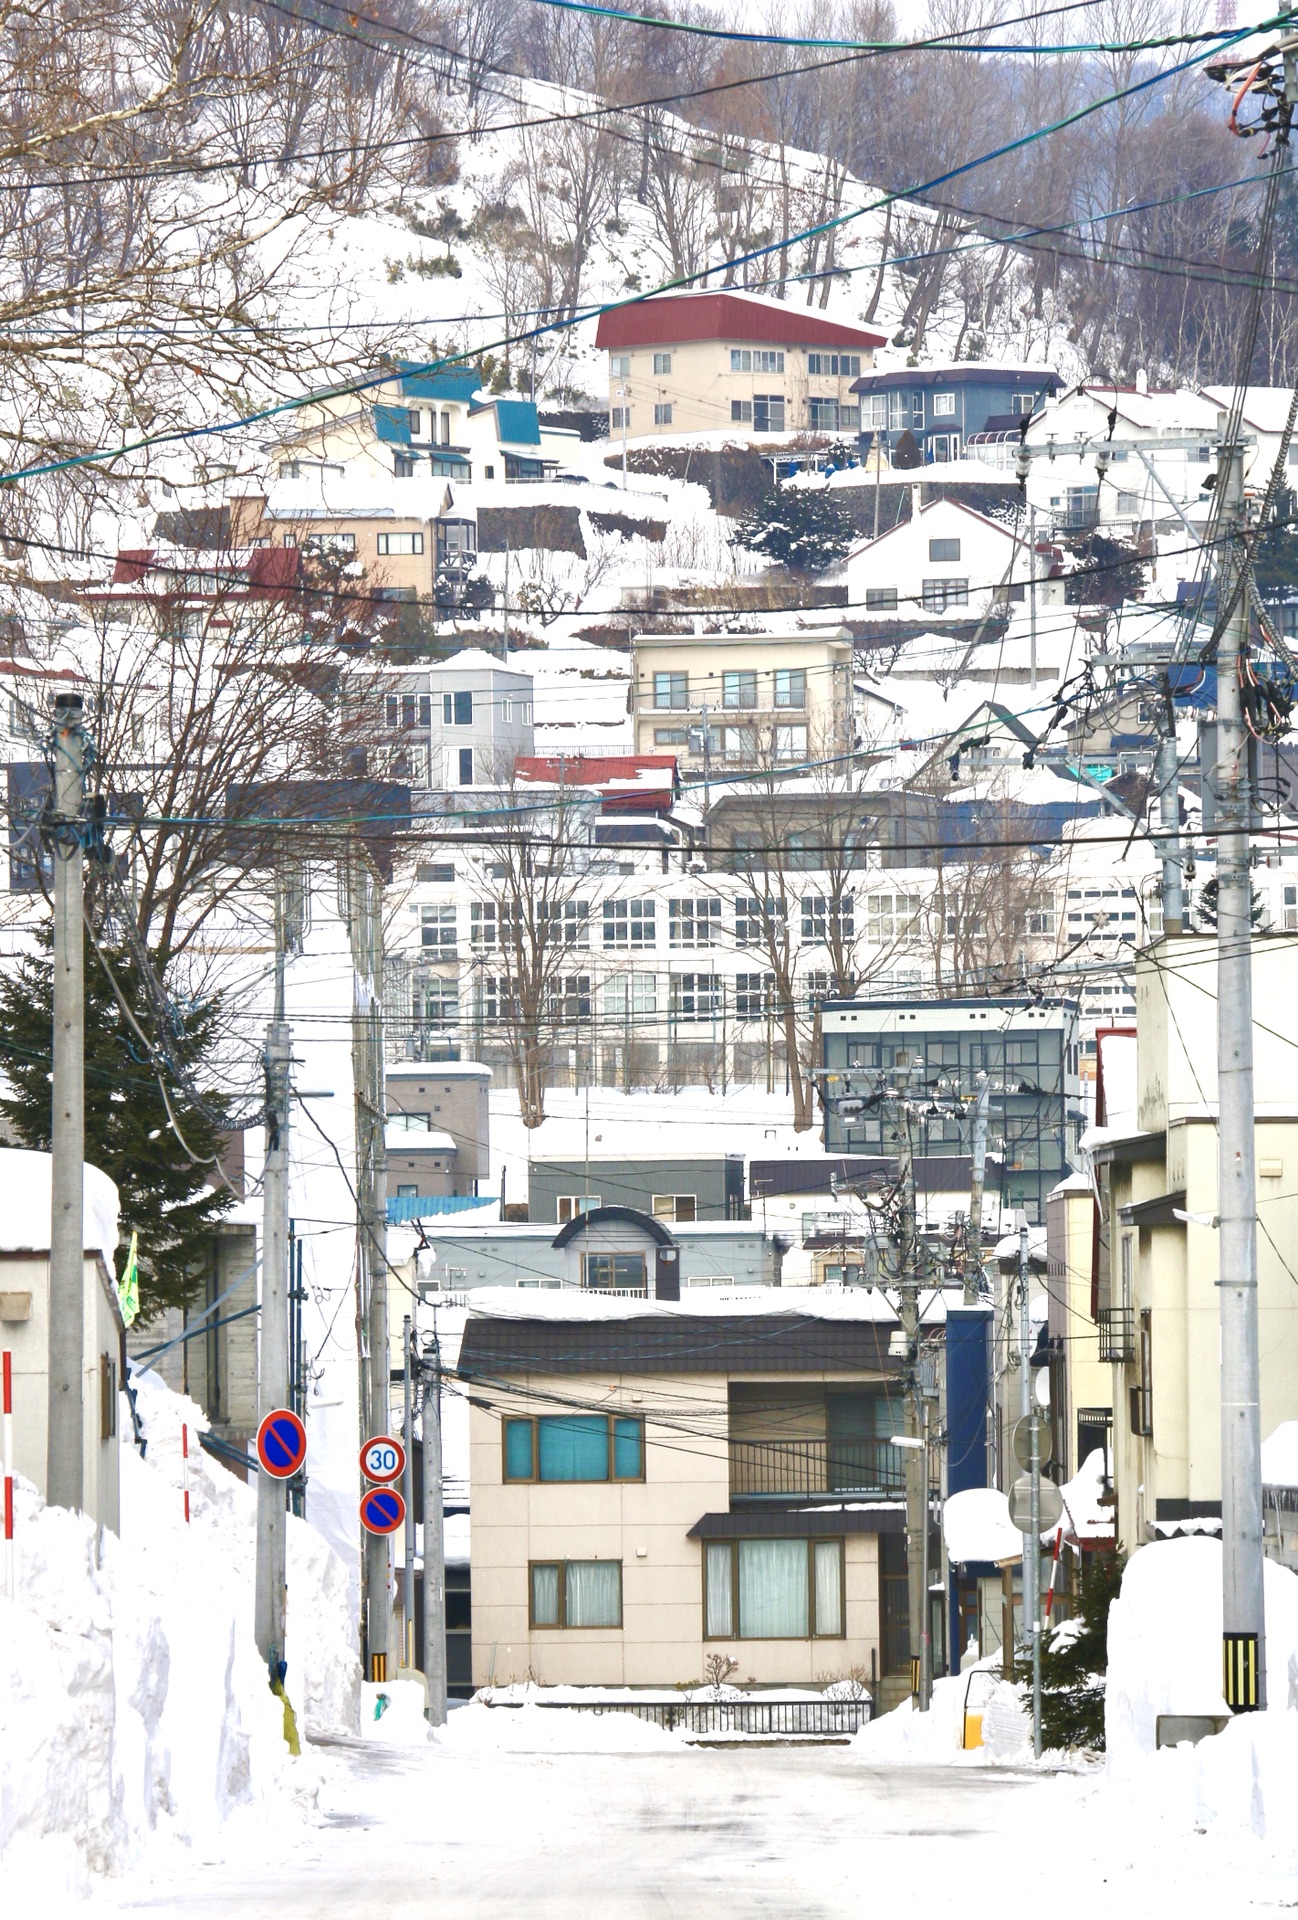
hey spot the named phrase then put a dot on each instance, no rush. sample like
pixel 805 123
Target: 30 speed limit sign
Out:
pixel 383 1459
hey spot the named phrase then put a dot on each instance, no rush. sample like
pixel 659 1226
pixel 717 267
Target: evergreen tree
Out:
pixel 801 528
pixel 1074 1660
pixel 165 1198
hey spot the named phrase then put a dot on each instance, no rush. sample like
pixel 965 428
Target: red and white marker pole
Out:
pixel 184 1466
pixel 7 1366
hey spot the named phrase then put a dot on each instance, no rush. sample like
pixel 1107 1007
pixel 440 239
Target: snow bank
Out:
pixel 906 1737
pixel 1165 1658
pixel 132 1697
pixel 477 1728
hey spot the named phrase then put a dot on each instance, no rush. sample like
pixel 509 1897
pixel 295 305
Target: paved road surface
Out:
pixel 734 1834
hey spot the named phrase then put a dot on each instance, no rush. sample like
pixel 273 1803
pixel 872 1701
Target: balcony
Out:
pixel 803 1469
pixel 1117 1334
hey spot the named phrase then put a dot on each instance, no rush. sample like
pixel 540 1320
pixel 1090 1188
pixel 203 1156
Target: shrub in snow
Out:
pixel 1073 1661
pixel 799 529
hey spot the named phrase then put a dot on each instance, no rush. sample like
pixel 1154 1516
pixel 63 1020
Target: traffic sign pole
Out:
pixel 272 1349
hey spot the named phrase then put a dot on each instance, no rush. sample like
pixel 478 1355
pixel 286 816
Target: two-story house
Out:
pixel 661 1481
pixel 1156 1290
pixel 943 408
pixel 748 698
pixel 461 722
pixel 946 562
pixel 710 361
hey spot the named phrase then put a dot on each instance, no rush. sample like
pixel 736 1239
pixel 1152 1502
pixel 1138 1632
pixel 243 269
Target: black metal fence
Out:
pixel 1117 1333
pixel 815 1718
pixel 760 1467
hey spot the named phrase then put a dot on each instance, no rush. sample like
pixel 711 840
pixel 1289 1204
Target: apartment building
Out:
pixel 731 362
pixel 461 722
pixel 748 699
pixel 618 1540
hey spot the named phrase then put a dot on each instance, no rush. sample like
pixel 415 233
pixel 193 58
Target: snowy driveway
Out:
pixel 698 1835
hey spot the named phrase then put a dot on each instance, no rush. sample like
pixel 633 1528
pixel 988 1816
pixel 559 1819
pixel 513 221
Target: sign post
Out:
pixel 7 1366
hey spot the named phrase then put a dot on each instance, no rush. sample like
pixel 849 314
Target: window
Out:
pixel 662 363
pixel 891 916
pixel 1289 908
pixel 409 709
pixel 790 687
pixel 1128 506
pixel 620 417
pixel 414 422
pixel 567 1447
pixel 437 1003
pixel 497 999
pixel 881 599
pixel 825 915
pixel 768 412
pixel 940 594
pixel 671 690
pixel 628 995
pixel 619 365
pixel 434 875
pixel 773 1589
pixel 410 1192
pixel 571 1206
pixel 1082 509
pixel 576 1593
pixel 629 923
pixel 457 709
pixel 756 360
pixel 790 743
pixel 1023 402
pixel 437 928
pixel 754 917
pixel 290 469
pixel 465 769
pixel 401 543
pixel 695 923
pixel 482 925
pixel 678 1207
pixel 840 365
pixel 403 465
pixel 833 416
pixel 671 737
pixel 943 405
pixel 695 996
pixel 753 995
pixel 623 1271
pixel 944 549
pixel 874 411
pixel 662 413
pixel 568 922
pixel 488 473
pixel 568 997
pixel 741 411
pixel 739 689
pixel 336 544
pixel 1039 915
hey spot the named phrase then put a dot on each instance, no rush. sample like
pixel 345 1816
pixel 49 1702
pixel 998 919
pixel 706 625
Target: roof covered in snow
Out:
pixel 25 1206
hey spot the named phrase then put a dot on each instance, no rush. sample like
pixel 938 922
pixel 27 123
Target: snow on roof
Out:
pixel 417 1139
pixel 25 1205
pixel 976 1525
pixel 1085 1519
pixel 1265 408
pixel 475 660
pixel 817 1303
pixel 1280 1456
pixel 436 1070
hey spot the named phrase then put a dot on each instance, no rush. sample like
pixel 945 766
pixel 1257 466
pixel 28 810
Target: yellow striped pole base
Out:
pixel 1239 1671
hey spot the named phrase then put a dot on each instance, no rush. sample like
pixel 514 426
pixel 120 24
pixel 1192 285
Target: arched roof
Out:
pixel 600 1216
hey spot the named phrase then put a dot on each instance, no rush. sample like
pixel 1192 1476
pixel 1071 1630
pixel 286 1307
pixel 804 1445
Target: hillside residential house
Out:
pixel 675 1188
pixel 418 546
pixel 945 408
pixel 731 362
pixel 424 424
pixel 608 1249
pixel 746 698
pixel 1156 1292
pixel 667 1481
pixel 437 1133
pixel 25 1326
pixel 460 722
pixel 946 562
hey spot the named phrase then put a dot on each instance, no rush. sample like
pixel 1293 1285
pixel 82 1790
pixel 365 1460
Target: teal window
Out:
pixel 568 1447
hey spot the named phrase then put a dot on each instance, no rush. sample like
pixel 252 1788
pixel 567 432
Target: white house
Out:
pixel 460 722
pixel 946 561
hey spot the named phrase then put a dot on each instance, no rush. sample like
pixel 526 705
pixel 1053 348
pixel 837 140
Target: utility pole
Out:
pixel 64 1441
pixel 977 1181
pixel 272 1350
pixel 1032 596
pixel 1167 776
pixel 1243 1623
pixel 365 937
pixel 916 1452
pixel 434 1543
pixel 1032 1542
pixel 408 1493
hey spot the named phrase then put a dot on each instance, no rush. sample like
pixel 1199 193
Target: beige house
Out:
pixel 751 698
pixel 733 361
pixel 25 1326
pixel 1157 1290
pixel 653 1483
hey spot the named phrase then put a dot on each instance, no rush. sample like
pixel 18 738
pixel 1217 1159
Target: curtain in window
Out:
pixel 574 1447
pixel 518 1450
pixel 545 1596
pixel 829 1587
pixel 721 1611
pixel 773 1589
pixel 593 1593
pixel 628 1451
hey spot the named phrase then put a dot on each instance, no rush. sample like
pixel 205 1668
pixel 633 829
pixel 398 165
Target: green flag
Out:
pixel 128 1287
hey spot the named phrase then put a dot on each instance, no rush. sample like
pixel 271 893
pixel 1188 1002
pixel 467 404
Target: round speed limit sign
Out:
pixel 383 1459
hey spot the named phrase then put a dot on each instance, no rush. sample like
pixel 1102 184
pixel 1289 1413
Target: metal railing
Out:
pixel 814 1718
pixel 771 1468
pixel 1117 1333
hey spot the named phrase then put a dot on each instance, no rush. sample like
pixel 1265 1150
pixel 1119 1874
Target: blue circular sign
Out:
pixel 382 1510
pixel 281 1444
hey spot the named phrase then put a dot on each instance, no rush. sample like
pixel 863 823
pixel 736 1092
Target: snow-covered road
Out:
pixel 703 1835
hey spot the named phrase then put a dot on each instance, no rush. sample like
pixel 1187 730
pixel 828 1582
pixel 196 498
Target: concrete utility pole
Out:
pixel 434 1542
pixel 916 1454
pixel 1032 596
pixel 1243 1626
pixel 272 1350
pixel 1032 1540
pixel 977 1182
pixel 408 1494
pixel 1167 776
pixel 64 1440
